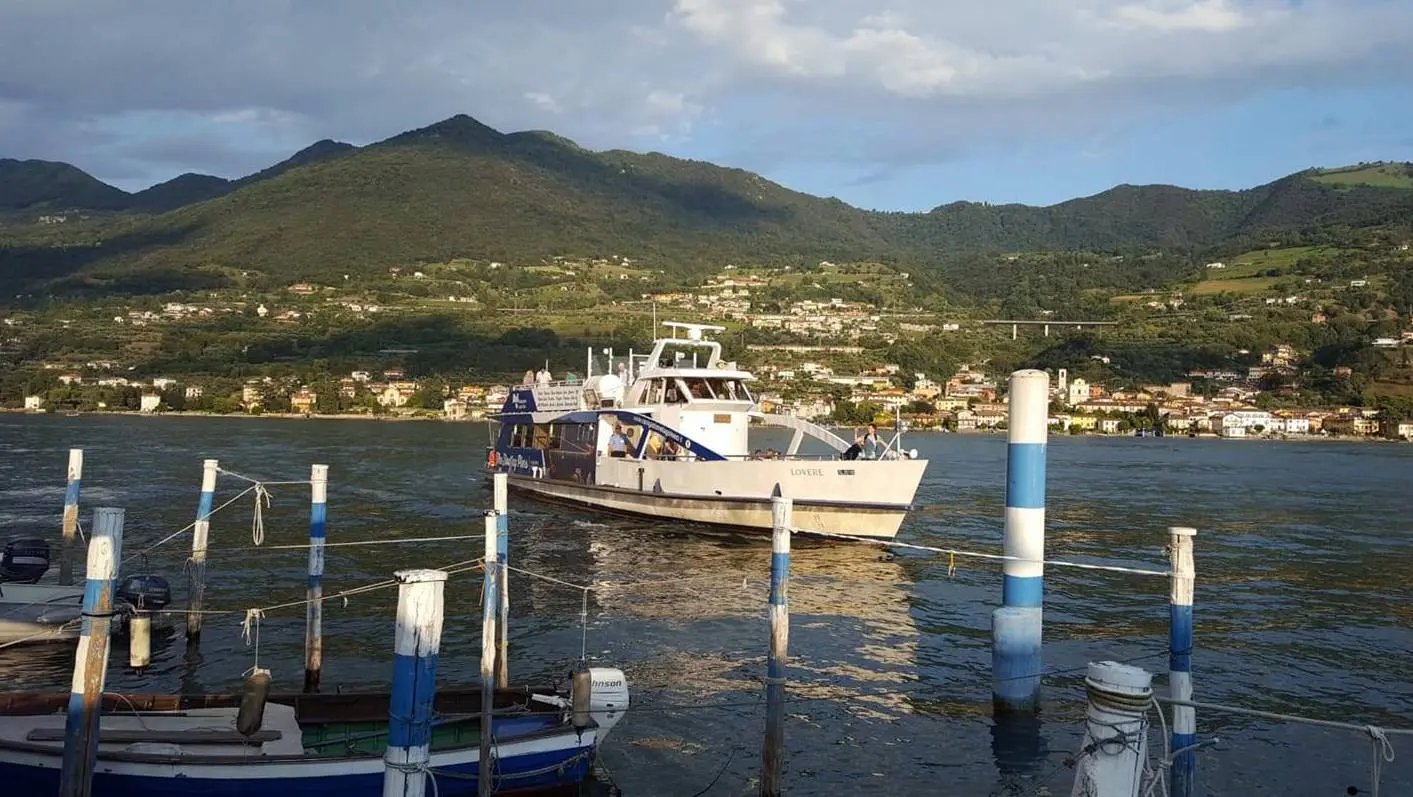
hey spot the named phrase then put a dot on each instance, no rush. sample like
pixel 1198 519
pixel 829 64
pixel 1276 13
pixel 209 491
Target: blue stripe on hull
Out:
pixel 19 779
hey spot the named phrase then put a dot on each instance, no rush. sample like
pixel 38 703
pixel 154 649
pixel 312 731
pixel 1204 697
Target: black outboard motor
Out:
pixel 24 561
pixel 145 593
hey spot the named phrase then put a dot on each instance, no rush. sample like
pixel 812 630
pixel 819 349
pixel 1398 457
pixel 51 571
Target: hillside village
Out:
pixel 818 340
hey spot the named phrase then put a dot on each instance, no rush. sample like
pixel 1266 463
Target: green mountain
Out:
pixel 461 189
pixel 53 186
pixel 179 191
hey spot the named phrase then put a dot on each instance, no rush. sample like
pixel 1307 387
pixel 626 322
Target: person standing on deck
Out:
pixel 618 443
pixel 870 442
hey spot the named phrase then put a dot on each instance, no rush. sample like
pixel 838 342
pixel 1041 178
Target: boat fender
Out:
pixel 252 703
pixel 581 696
pixel 492 460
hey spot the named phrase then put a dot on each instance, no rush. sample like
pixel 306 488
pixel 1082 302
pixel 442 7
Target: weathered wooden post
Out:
pixel 500 482
pixel 1184 766
pixel 1110 763
pixel 314 609
pixel 414 684
pixel 196 569
pixel 71 517
pixel 1016 627
pixel 490 605
pixel 105 549
pixel 773 751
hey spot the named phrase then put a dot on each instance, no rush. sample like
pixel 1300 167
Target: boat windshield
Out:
pixel 715 389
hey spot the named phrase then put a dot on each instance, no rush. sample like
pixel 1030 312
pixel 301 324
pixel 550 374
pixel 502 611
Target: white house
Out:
pixel 150 402
pixel 1078 391
pixel 34 402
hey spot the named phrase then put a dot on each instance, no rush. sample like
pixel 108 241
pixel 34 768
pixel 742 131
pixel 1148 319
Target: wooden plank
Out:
pixel 115 736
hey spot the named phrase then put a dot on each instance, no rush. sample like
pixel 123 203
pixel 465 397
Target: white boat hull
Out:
pixel 39 612
pixel 737 494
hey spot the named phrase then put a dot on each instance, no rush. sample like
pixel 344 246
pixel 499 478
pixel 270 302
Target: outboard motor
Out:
pixel 608 700
pixel 146 593
pixel 24 561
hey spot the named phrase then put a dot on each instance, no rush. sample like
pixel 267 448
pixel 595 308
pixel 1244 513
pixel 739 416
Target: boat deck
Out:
pixel 202 731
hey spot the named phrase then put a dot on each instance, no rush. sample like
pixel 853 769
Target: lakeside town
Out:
pixel 1228 404
pixel 821 339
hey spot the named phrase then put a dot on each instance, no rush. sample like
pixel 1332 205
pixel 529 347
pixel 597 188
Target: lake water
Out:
pixel 1303 600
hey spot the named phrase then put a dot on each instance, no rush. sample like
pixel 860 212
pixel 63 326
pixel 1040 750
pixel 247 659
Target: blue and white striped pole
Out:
pixel 314 609
pixel 71 517
pixel 501 489
pixel 105 550
pixel 414 684
pixel 1016 627
pixel 1184 765
pixel 490 603
pixel 196 569
pixel 773 751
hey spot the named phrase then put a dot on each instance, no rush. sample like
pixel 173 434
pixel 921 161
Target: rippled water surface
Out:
pixel 1304 604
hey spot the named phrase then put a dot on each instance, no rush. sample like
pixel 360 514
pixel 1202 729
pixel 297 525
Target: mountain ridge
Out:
pixel 461 189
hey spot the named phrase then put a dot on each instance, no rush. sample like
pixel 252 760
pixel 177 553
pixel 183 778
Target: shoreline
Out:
pixel 295 416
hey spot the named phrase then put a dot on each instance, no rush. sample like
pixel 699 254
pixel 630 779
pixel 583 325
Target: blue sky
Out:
pixel 898 105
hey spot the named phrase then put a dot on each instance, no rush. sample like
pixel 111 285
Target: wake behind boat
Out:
pixel 667 437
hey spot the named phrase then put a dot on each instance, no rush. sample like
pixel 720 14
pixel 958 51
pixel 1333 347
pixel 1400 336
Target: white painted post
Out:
pixel 1110 764
pixel 105 550
pixel 196 582
pixel 1184 766
pixel 314 592
pixel 140 640
pixel 489 606
pixel 773 751
pixel 414 686
pixel 71 517
pixel 1017 627
pixel 501 485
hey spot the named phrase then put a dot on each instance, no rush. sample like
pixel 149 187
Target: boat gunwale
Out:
pixel 517 480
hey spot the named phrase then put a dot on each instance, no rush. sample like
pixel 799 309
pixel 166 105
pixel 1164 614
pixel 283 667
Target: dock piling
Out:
pixel 773 751
pixel 1184 734
pixel 314 611
pixel 500 483
pixel 71 517
pixel 417 643
pixel 1017 627
pixel 490 605
pixel 105 548
pixel 196 569
pixel 1110 763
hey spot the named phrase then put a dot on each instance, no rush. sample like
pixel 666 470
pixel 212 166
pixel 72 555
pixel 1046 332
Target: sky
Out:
pixel 887 104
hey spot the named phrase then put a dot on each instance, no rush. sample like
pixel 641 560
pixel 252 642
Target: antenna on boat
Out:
pixel 694 331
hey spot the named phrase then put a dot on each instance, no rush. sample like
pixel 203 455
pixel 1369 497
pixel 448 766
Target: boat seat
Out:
pixel 131 735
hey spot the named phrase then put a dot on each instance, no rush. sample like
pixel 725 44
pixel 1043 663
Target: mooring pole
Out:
pixel 490 604
pixel 1184 766
pixel 314 609
pixel 1116 733
pixel 414 684
pixel 500 482
pixel 105 550
pixel 1016 627
pixel 196 569
pixel 71 518
pixel 773 751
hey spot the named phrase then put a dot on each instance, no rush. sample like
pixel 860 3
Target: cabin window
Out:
pixel 556 436
pixel 729 389
pixel 520 436
pixel 699 389
pixel 654 392
pixel 542 436
pixel 676 393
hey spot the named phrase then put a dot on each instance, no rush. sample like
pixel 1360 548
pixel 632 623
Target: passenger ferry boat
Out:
pixel 666 436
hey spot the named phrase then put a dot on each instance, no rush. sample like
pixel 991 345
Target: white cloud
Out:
pixel 905 80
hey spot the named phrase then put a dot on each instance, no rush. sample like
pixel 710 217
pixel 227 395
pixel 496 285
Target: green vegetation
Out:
pixel 458 253
pixel 1377 175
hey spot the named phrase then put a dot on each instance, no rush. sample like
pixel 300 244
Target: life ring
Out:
pixel 492 459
